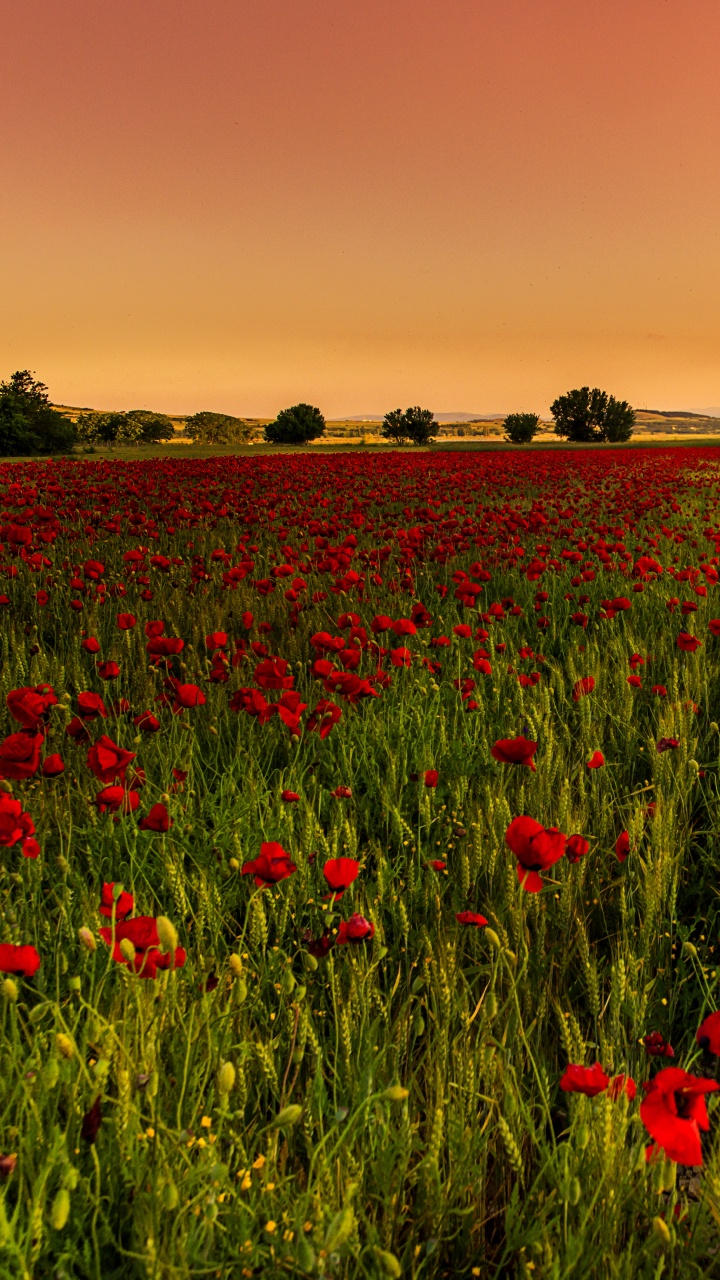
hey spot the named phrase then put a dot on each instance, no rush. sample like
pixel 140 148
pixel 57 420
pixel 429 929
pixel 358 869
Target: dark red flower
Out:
pixel 77 731
pixel 342 793
pixel 124 904
pixel 470 917
pixel 142 933
pixel 514 751
pixel 107 761
pixel 23 961
pixel 576 847
pixel 622 846
pixel 325 715
pixel 53 765
pixel 437 864
pixel 583 687
pixel 146 722
pixel 290 797
pixel 340 874
pixel 31 706
pixel 90 706
pixel 659 690
pixel 431 778
pixel 20 755
pixel 588 1080
pixel 688 643
pixel 108 670
pixel 158 819
pixel 674 1111
pixel 656 1046
pixel 126 621
pixel 115 799
pixel 357 929
pixel 620 1085
pixel 319 947
pixel 91 1122
pixel 536 848
pixel 666 744
pixel 187 695
pixel 91 645
pixel 271 865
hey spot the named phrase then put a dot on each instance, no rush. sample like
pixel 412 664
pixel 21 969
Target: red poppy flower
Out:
pixel 142 933
pixel 470 917
pixel 342 793
pixel 688 643
pixel 536 848
pixel 714 626
pixel 108 670
pixel 116 799
pixel 157 819
pixel 514 751
pixel 77 731
pixel 216 640
pixel 23 961
pixel 580 620
pixel 187 695
pixel 666 744
pixel 164 646
pixel 620 1085
pixel 31 706
pixel 107 761
pixel 126 621
pixel 154 629
pixel 53 766
pixel 319 947
pixel 583 687
pixel 596 761
pixel 355 930
pixel 708 1033
pixel 576 847
pixel 622 846
pixel 656 1046
pixel 20 755
pixel 340 874
pixel 272 673
pixel 91 645
pixel 290 797
pixel 16 825
pixel 437 864
pixel 659 690
pixel 271 865
pixel 588 1080
pixel 124 905
pixel 482 665
pixel 430 778
pixel 146 722
pixel 90 706
pixel 635 682
pixel 674 1111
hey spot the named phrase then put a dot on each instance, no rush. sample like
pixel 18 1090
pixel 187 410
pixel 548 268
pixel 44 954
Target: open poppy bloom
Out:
pixel 107 760
pixel 588 1080
pixel 666 744
pixel 117 799
pixel 656 1046
pixel 20 755
pixel 708 1033
pixel 514 751
pixel 674 1111
pixel 125 621
pixel 437 864
pixel 53 766
pixel 290 797
pixel 688 643
pixel 91 705
pixel 582 687
pixel 340 874
pixel 16 825
pixel 31 706
pixel 576 847
pixel 536 848
pixel 22 961
pixel 620 1085
pixel 430 778
pixel 271 865
pixel 158 819
pixel 357 929
pixel 470 917
pixel 596 761
pixel 319 947
pixel 622 846
pixel 342 793
pixel 123 905
pixel 142 934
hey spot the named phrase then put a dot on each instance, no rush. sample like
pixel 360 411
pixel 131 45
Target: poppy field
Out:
pixel 359 890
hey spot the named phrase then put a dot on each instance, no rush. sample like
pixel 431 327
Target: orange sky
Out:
pixel 468 204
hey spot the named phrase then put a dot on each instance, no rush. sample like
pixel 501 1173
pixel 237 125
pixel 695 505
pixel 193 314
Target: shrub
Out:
pixel 207 427
pixel 521 427
pixel 297 425
pixel 414 424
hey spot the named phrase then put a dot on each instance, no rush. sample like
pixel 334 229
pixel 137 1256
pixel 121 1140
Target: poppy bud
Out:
pixel 310 962
pixel 574 1191
pixel 300 991
pixel 151 1087
pixel 87 938
pixel 226 1078
pixel 74 983
pixel 60 1211
pixel 287 1117
pixel 690 949
pixel 396 1093
pixel 388 1263
pixel 340 1229
pixel 298 1055
pixel 128 951
pixel 714 726
pixel 240 990
pixel 582 1137
pixel 492 938
pixel 233 864
pixel 169 1197
pixel 288 982
pixel 662 1231
pixel 64 1045
pixel 167 934
pixel 10 990
pixel 419 1024
pixel 236 965
pixel 51 1073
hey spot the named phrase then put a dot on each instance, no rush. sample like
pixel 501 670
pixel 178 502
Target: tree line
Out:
pixel 29 424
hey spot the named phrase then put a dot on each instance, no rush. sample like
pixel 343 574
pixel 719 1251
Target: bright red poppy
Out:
pixel 656 1046
pixel 107 761
pixel 124 904
pixel 582 687
pixel 271 865
pixel 340 874
pixel 537 848
pixel 23 961
pixel 31 706
pixel 142 933
pixel 514 751
pixel 708 1033
pixel 688 643
pixel 157 819
pixel 20 755
pixel 117 800
pixel 469 917
pixel 290 797
pixel 355 930
pixel 622 846
pixel 674 1111
pixel 588 1080
pixel 596 761
pixel 622 1084
pixel 576 847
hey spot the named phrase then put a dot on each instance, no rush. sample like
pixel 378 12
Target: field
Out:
pixel 359 889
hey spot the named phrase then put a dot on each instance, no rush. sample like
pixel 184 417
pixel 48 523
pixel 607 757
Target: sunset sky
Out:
pixel 467 204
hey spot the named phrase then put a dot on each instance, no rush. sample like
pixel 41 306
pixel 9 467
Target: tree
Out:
pixel 414 424
pixel 520 427
pixel 154 427
pixel 207 427
pixel 297 425
pixel 586 416
pixel 28 422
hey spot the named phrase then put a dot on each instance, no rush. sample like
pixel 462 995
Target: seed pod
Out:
pixel 310 962
pixel 10 990
pixel 240 989
pixel 388 1263
pixel 288 981
pixel 690 949
pixel 226 1078
pixel 582 1137
pixel 64 1045
pixel 662 1231
pixel 287 1117
pixel 340 1229
pixel 574 1191
pixel 169 1196
pixel 167 934
pixel 74 983
pixel 419 1025
pixel 493 938
pixel 60 1210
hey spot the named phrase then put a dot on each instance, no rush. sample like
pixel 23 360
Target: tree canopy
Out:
pixel 521 427
pixel 415 424
pixel 585 416
pixel 28 422
pixel 297 425
pixel 207 427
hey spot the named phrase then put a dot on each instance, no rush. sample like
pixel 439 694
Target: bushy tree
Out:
pixel 154 427
pixel 297 425
pixel 207 427
pixel 520 427
pixel 585 416
pixel 28 422
pixel 414 424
